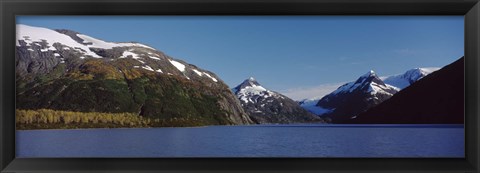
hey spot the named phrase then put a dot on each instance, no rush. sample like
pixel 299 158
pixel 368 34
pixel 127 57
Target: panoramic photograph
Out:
pixel 240 86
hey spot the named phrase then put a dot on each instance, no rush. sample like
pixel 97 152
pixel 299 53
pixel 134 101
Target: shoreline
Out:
pixel 286 126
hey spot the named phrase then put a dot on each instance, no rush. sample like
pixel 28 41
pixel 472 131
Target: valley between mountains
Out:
pixel 65 79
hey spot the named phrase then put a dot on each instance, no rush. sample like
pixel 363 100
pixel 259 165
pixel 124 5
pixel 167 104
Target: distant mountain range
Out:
pixel 70 71
pixel 367 91
pixel 436 99
pixel 266 106
pixel 411 76
pixel 355 97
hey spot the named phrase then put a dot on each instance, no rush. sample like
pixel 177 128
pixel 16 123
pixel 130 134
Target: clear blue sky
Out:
pixel 284 52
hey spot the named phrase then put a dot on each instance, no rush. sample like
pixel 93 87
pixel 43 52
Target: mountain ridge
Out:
pixel 397 82
pixel 265 106
pixel 355 97
pixel 437 98
pixel 56 71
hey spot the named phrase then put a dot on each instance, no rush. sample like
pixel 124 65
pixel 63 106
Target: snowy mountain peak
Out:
pixel 250 82
pixel 250 89
pixel 266 106
pixel 368 82
pixel 44 38
pixel 63 46
pixel 353 98
pixel 401 81
pixel 369 74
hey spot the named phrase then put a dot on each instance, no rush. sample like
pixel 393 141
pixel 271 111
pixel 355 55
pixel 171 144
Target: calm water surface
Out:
pixel 248 141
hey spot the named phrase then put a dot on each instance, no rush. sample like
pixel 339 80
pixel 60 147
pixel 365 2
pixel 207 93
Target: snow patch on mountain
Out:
pixel 250 91
pixel 404 80
pixel 177 65
pixel 31 35
pixel 197 72
pixel 97 43
pixel 375 88
pixel 148 68
pixel 208 75
pixel 129 53
pixel 246 94
pixel 155 58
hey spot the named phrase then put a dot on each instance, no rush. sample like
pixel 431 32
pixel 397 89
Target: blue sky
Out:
pixel 289 54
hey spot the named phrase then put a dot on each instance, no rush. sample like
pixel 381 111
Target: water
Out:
pixel 248 141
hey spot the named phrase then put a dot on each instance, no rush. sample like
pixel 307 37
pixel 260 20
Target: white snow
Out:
pixel 97 43
pixel 204 73
pixel 37 34
pixel 178 65
pixel 159 70
pixel 129 53
pixel 246 94
pixel 428 70
pixel 66 48
pixel 198 72
pixel 375 88
pixel 56 54
pixel 30 49
pixel 44 50
pixel 208 75
pixel 155 58
pixel 148 68
pixel 136 66
pixel 140 61
pixel 404 80
pixel 62 61
pixel 344 88
pixel 82 57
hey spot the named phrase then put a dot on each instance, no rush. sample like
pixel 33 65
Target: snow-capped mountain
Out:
pixel 435 99
pixel 397 82
pixel 77 72
pixel 265 106
pixel 404 80
pixel 355 97
pixel 54 47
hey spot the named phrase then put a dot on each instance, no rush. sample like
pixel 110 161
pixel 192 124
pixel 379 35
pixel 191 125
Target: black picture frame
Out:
pixel 10 8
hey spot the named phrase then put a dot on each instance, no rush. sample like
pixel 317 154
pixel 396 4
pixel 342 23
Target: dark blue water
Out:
pixel 248 141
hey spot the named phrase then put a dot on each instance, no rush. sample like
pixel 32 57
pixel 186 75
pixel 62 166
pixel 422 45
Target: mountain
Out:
pixel 398 82
pixel 437 99
pixel 352 98
pixel 265 106
pixel 406 79
pixel 67 70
